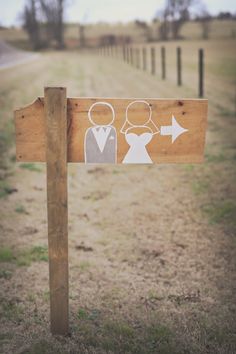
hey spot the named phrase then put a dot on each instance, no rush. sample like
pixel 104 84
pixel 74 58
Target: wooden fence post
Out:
pixel 131 56
pixel 179 67
pixel 144 59
pixel 163 63
pixel 201 72
pixel 137 58
pixel 124 53
pixel 153 61
pixel 56 158
pixel 127 54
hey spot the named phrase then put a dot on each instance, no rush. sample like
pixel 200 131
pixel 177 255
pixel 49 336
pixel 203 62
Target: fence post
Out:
pixel 179 67
pixel 131 56
pixel 201 72
pixel 127 54
pixel 144 59
pixel 57 209
pixel 153 61
pixel 163 63
pixel 124 53
pixel 137 58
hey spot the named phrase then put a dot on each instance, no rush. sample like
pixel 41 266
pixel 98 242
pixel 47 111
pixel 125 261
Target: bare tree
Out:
pixel 178 12
pixel 52 13
pixel 164 27
pixel 48 15
pixel 145 29
pixel 31 23
pixel 82 39
pixel 205 23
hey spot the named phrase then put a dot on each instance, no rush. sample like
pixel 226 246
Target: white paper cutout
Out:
pixel 175 130
pixel 100 143
pixel 137 152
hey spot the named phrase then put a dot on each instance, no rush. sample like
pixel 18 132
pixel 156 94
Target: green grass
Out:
pixel 25 257
pixel 225 111
pixel 200 187
pixel 6 141
pixel 5 189
pixel 5 338
pixel 30 167
pixel 11 310
pixel 20 209
pixel 83 315
pixel 35 254
pixel 223 211
pixel 5 274
pixel 189 168
pixel 6 255
pixel 84 265
pixel 216 158
pixel 46 296
pixel 119 336
pixel 42 347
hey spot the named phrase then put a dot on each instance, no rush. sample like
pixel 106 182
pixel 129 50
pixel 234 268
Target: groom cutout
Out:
pixel 100 144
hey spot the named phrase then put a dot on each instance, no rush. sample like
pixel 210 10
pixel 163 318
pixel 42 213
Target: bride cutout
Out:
pixel 138 136
pixel 100 144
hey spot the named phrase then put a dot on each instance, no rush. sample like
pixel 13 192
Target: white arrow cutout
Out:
pixel 174 130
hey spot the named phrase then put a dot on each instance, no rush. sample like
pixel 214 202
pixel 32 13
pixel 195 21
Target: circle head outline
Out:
pixel 102 104
pixel 138 101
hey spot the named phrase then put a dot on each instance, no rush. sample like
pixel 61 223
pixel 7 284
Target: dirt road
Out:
pixel 10 56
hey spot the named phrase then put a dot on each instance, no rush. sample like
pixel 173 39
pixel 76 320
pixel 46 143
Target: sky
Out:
pixel 88 11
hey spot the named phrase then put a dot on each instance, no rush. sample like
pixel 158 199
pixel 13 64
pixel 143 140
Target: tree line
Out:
pixel 44 22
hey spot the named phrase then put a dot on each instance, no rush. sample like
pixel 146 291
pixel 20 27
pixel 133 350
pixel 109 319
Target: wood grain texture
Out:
pixel 188 148
pixel 56 156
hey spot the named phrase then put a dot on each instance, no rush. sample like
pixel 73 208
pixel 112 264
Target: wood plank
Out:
pixel 189 113
pixel 56 157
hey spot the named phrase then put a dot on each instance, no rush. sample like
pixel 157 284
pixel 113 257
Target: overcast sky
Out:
pixel 107 10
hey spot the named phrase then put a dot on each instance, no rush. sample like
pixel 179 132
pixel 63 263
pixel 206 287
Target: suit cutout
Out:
pixel 100 144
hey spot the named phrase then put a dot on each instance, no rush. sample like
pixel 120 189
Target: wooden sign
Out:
pixel 56 130
pixel 143 130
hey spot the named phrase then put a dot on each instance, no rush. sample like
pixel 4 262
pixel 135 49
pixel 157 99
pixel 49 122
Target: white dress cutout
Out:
pixel 137 152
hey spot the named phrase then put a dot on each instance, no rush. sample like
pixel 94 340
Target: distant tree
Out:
pixel 145 28
pixel 31 23
pixel 47 16
pixel 53 14
pixel 174 15
pixel 164 27
pixel 82 40
pixel 225 16
pixel 178 12
pixel 205 23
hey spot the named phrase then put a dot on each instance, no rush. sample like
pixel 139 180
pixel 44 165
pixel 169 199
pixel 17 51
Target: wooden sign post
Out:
pixel 57 130
pixel 56 159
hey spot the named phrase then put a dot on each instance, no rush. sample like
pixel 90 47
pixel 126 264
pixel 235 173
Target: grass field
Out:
pixel 152 248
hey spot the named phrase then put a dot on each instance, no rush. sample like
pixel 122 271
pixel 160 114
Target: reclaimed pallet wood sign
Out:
pixel 57 130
